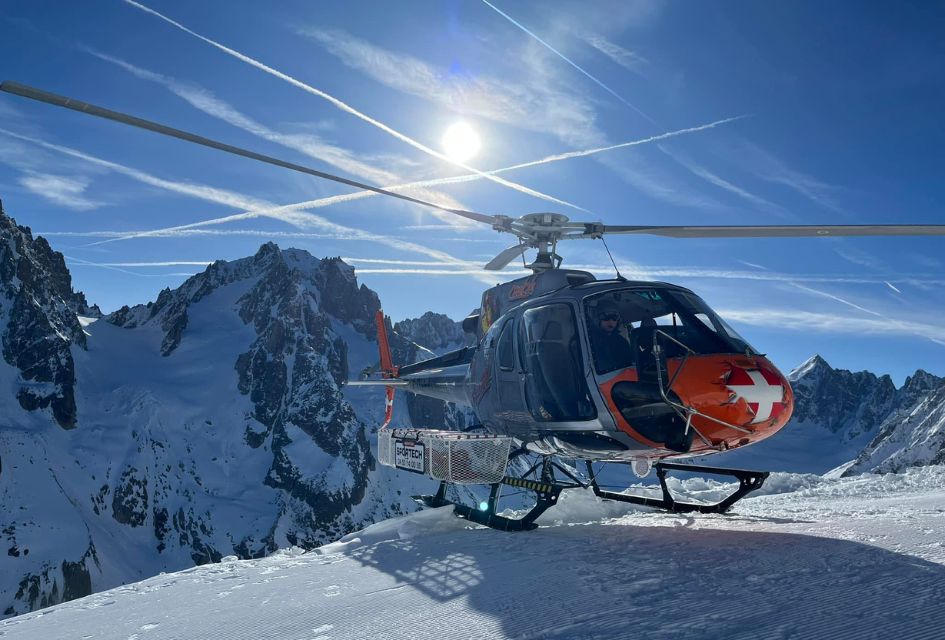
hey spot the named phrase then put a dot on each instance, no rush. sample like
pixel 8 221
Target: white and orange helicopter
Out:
pixel 568 367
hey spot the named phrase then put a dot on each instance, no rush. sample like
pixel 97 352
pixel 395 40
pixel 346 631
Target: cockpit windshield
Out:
pixel 622 323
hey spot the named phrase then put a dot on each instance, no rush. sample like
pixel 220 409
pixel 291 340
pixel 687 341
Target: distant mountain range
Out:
pixel 212 421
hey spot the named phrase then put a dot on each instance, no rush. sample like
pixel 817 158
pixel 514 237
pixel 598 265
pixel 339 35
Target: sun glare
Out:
pixel 461 142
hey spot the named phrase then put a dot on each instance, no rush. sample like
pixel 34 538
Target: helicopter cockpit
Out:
pixel 622 323
pixel 641 339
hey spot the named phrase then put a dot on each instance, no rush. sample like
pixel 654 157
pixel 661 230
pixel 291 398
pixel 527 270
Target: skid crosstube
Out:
pixel 547 496
pixel 748 481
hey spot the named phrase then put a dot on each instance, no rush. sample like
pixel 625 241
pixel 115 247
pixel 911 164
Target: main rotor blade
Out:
pixel 778 231
pixel 500 261
pixel 84 107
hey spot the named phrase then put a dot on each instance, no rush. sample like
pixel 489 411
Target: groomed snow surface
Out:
pixel 860 557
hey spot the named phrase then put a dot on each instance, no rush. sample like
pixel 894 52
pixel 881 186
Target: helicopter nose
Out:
pixel 736 400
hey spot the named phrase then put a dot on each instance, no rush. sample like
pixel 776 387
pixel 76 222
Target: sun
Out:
pixel 461 142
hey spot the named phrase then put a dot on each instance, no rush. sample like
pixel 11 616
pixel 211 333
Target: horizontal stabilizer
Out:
pixel 376 383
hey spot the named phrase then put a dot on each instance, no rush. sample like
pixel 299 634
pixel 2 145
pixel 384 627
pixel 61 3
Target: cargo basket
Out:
pixel 451 456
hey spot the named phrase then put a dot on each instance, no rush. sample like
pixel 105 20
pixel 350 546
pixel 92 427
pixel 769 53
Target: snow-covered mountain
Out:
pixel 912 436
pixel 38 323
pixel 208 423
pixel 434 332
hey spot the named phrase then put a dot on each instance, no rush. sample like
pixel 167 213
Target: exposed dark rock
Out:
pixel 294 370
pixel 38 590
pixel 840 400
pixel 39 308
pixel 77 583
pixel 130 499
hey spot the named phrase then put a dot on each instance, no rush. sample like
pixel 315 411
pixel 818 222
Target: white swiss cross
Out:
pixel 760 395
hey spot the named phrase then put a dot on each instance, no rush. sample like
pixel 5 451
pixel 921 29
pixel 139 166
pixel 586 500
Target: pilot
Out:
pixel 611 349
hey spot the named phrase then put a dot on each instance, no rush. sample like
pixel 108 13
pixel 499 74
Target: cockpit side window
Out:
pixel 505 351
pixel 555 386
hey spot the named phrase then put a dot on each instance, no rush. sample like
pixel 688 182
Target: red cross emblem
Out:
pixel 760 389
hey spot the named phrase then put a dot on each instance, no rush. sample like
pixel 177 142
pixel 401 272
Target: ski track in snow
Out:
pixel 860 557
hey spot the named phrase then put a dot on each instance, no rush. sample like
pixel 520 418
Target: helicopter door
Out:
pixel 510 403
pixel 555 388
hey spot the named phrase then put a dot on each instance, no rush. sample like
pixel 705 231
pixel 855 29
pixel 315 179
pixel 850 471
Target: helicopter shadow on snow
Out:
pixel 619 580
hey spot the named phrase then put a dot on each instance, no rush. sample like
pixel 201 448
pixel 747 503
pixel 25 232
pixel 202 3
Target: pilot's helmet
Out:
pixel 607 310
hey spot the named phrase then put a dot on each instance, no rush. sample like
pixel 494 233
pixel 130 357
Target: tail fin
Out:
pixel 388 370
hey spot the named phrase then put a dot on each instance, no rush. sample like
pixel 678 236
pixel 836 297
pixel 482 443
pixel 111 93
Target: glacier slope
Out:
pixel 859 557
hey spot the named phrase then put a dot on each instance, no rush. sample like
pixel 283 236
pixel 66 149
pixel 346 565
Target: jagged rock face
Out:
pixel 846 403
pixel 38 323
pixel 434 331
pixel 914 435
pixel 213 424
pixel 294 370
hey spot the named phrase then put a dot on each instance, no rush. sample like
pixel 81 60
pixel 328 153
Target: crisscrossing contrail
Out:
pixel 351 110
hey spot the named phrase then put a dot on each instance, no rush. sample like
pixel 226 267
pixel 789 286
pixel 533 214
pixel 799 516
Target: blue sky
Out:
pixel 825 113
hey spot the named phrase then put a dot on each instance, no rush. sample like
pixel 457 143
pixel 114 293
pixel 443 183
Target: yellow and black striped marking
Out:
pixel 540 487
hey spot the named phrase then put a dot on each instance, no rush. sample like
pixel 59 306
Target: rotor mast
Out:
pixel 540 231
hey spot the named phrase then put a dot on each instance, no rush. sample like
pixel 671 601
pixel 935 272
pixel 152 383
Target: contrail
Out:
pixel 568 60
pixel 290 214
pixel 111 267
pixel 824 294
pixel 311 146
pixel 830 322
pixel 698 171
pixel 622 145
pixel 357 195
pixel 383 266
pixel 197 232
pixel 167 263
pixel 546 160
pixel 351 110
pixel 914 328
pixel 213 194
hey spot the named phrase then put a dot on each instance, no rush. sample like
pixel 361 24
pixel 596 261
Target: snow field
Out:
pixel 856 558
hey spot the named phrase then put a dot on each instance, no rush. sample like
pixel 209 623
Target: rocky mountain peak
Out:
pixel 922 382
pixel 433 331
pixel 282 278
pixel 815 365
pixel 851 403
pixel 38 323
pixel 217 423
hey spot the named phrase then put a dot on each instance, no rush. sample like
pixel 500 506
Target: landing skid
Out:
pixel 748 481
pixel 547 489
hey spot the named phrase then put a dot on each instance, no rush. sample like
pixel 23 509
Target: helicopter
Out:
pixel 568 367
